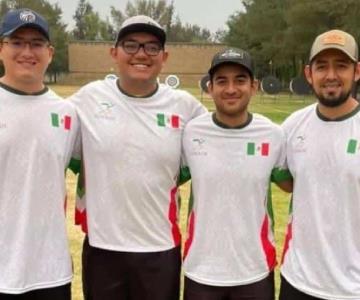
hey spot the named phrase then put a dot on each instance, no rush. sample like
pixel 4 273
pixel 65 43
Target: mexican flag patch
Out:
pixel 172 121
pixel 61 121
pixel 261 149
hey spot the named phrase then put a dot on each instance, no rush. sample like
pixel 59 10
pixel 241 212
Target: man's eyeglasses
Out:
pixel 133 47
pixel 36 45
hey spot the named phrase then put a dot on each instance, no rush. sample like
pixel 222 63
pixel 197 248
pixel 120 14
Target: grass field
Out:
pixel 276 108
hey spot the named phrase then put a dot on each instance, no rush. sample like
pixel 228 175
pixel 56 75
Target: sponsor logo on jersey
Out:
pixel 261 149
pixel 352 146
pixel 61 121
pixel 198 147
pixel 105 111
pixel 299 144
pixel 165 120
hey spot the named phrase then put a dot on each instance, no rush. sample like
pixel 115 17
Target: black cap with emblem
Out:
pixel 234 56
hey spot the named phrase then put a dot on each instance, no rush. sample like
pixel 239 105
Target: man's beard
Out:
pixel 332 101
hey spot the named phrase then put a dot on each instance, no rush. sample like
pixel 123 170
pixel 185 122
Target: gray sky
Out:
pixel 211 14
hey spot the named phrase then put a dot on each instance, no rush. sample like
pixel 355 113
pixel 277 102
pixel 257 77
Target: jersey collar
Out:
pixel 22 93
pixel 222 125
pixel 342 118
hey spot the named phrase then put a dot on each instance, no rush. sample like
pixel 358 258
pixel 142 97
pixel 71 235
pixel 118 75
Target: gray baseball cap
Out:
pixel 142 23
pixel 234 56
pixel 335 39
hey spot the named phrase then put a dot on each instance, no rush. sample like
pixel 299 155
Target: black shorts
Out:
pixel 56 293
pixel 261 290
pixel 115 275
pixel 288 292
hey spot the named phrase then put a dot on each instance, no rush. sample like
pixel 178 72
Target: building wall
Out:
pixel 91 60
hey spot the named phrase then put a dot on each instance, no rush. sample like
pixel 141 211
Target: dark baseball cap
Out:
pixel 232 56
pixel 23 17
pixel 142 23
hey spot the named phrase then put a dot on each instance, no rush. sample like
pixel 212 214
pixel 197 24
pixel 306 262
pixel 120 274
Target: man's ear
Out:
pixel 357 72
pixel 255 86
pixel 113 52
pixel 307 73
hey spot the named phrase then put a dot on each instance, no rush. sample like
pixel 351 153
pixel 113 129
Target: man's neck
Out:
pixel 138 89
pixel 232 121
pixel 27 88
pixel 333 113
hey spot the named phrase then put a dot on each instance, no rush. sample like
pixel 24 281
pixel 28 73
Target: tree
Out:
pixel 88 24
pixel 59 37
pixel 306 19
pixel 117 17
pixel 160 11
pixel 282 31
pixel 164 14
pixel 259 30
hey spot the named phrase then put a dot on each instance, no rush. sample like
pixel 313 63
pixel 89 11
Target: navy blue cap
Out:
pixel 23 17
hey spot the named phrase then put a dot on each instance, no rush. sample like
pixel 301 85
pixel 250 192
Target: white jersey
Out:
pixel 37 135
pixel 322 249
pixel 131 153
pixel 230 230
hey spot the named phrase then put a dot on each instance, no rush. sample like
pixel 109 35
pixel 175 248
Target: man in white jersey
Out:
pixel 37 135
pixel 131 133
pixel 232 155
pixel 322 250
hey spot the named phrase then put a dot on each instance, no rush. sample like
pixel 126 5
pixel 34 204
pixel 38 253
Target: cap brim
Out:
pixel 213 68
pixel 28 25
pixel 354 59
pixel 158 32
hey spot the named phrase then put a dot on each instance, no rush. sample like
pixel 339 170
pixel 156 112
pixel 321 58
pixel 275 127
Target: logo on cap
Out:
pixel 334 38
pixel 232 54
pixel 27 16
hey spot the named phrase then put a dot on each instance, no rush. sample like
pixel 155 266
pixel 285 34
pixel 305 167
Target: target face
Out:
pixel 270 85
pixel 111 76
pixel 172 81
pixel 204 83
pixel 300 86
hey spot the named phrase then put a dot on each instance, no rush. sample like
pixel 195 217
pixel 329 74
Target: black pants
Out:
pixel 56 293
pixel 114 275
pixel 261 290
pixel 288 292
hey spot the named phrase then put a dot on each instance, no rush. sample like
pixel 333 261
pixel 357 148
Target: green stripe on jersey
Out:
pixel 280 175
pixel 269 207
pixel 75 165
pixel 191 202
pixel 184 175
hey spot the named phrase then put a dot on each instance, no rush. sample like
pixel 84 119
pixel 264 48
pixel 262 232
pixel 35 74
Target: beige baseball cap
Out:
pixel 335 39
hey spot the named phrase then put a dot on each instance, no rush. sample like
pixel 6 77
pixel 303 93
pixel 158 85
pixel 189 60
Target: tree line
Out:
pixel 91 27
pixel 278 33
